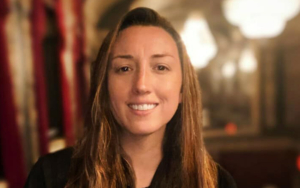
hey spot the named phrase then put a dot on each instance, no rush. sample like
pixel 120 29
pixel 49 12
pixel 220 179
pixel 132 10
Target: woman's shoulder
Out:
pixel 59 157
pixel 225 180
pixel 50 170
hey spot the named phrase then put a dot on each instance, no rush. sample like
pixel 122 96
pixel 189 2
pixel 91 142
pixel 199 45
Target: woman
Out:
pixel 143 127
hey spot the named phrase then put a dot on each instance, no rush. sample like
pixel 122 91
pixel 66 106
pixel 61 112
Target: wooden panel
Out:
pixel 292 85
pixel 259 169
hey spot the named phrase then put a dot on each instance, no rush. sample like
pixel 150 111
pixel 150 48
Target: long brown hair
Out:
pixel 97 159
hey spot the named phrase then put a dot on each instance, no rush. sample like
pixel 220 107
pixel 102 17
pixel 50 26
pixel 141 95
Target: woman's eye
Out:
pixel 124 69
pixel 161 68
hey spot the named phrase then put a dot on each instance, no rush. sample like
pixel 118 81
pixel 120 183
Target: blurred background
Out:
pixel 246 54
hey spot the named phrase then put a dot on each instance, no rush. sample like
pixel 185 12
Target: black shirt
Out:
pixel 51 171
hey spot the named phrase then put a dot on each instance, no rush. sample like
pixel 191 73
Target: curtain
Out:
pixel 38 21
pixel 10 139
pixel 71 63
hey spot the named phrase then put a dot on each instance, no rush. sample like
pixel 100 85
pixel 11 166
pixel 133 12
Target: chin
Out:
pixel 144 130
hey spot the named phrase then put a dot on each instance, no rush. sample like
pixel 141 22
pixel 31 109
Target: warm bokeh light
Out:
pixel 247 62
pixel 298 163
pixel 229 69
pixel 3 184
pixel 260 18
pixel 154 4
pixel 231 128
pixel 199 41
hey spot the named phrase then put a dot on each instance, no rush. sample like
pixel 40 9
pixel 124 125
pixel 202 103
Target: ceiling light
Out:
pixel 199 41
pixel 260 18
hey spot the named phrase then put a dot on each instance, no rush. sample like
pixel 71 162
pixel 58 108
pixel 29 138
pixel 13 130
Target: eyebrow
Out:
pixel 131 57
pixel 161 56
pixel 123 57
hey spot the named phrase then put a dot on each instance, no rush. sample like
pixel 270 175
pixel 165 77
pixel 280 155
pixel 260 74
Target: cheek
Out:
pixel 114 95
pixel 116 88
pixel 170 90
pixel 115 104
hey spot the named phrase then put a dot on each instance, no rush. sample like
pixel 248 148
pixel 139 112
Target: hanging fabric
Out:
pixel 38 20
pixel 71 58
pixel 10 138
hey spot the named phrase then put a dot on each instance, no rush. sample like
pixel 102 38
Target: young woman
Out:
pixel 143 127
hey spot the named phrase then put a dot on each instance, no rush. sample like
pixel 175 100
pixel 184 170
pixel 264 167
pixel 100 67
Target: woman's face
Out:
pixel 144 79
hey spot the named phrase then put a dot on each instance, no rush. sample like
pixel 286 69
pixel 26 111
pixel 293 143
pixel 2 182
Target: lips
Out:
pixel 142 107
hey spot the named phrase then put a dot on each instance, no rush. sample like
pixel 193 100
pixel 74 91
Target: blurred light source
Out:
pixel 3 184
pixel 153 4
pixel 298 162
pixel 229 69
pixel 248 62
pixel 231 128
pixel 260 18
pixel 199 41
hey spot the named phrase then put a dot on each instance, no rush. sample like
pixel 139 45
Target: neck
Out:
pixel 144 153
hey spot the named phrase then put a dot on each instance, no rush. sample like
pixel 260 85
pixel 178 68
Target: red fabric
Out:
pixel 79 60
pixel 79 89
pixel 65 85
pixel 38 19
pixel 10 140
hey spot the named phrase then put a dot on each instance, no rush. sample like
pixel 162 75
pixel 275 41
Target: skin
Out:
pixel 144 69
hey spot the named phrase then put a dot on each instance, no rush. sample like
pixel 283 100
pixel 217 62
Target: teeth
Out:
pixel 142 106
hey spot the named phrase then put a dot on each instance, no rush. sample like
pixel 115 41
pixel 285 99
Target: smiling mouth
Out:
pixel 142 107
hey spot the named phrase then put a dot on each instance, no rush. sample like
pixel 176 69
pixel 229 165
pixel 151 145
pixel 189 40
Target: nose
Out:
pixel 142 81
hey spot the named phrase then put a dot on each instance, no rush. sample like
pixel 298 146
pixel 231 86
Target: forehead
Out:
pixel 152 39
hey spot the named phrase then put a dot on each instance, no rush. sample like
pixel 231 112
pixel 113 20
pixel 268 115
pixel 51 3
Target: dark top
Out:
pixel 51 171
